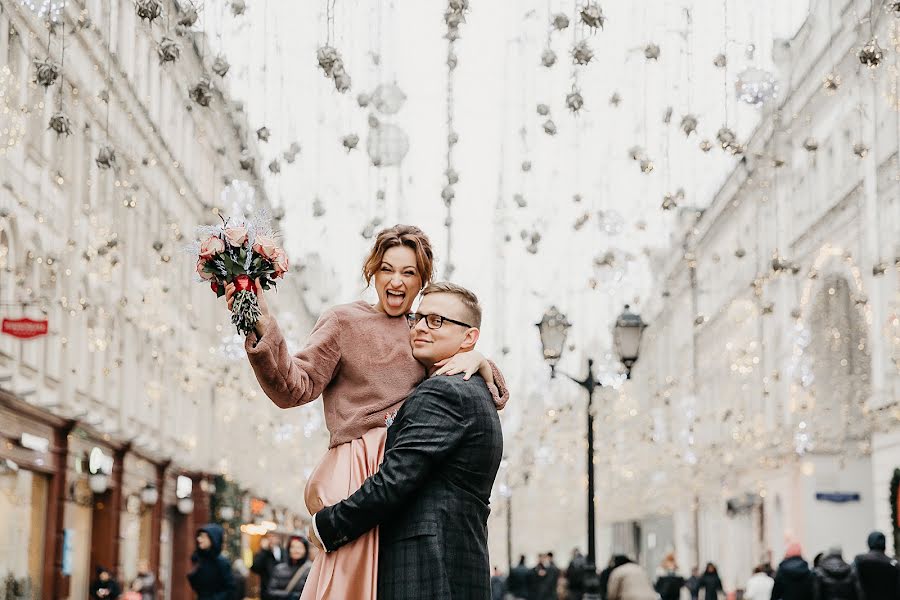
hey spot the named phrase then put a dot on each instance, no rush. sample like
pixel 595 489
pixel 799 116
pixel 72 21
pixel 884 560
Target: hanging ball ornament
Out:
pixel 689 124
pixel 201 93
pixel 811 144
pixel 574 100
pixel 332 64
pixel 871 54
pixel 238 7
pixel 350 141
pixel 220 66
pixel 720 61
pixel 651 52
pixel 106 157
pixel 559 21
pixel 893 7
pixel 387 145
pixel 526 166
pixel 548 58
pixel 263 134
pixel 592 16
pixel 706 145
pixel 448 194
pixel 363 99
pixel 168 50
pixel 636 153
pixel 669 202
pixel 61 124
pixel 549 127
pixel 275 167
pixel 388 98
pixel 452 138
pixel 452 60
pixel 615 99
pixel 452 176
pixel 831 83
pixel 646 166
pixel 520 201
pixel 860 149
pixel 46 72
pixel 148 10
pixel 755 86
pixel 318 208
pixel 582 53
pixel 247 162
pixel 543 110
pixel 726 137
pixel 188 17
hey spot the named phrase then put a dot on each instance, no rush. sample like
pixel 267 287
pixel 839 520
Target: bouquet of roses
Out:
pixel 240 252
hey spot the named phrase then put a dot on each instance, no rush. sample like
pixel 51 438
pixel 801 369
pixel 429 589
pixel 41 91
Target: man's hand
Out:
pixel 313 538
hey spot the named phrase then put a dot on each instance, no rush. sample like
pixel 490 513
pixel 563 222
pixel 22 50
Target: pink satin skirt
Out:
pixel 350 572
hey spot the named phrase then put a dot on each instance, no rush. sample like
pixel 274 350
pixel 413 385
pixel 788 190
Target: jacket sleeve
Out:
pixel 294 380
pixel 227 577
pixel 430 426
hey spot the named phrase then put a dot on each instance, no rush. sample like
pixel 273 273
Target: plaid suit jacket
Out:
pixel 430 495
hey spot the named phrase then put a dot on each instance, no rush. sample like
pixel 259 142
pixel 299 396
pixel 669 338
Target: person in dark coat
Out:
pixel 284 573
pixel 519 580
pixel 669 583
pixel 498 585
pixel 710 583
pixel 105 587
pixel 239 571
pixel 693 583
pixel 264 562
pixel 793 579
pixel 879 574
pixel 211 578
pixel 604 577
pixel 834 579
pixel 575 575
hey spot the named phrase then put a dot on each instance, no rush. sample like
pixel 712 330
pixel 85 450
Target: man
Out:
pixel 264 562
pixel 430 495
pixel 498 584
pixel 575 575
pixel 793 579
pixel 519 580
pixel 544 580
pixel 879 574
pixel 835 579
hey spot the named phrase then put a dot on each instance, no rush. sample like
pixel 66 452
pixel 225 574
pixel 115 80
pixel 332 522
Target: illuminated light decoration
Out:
pixel 41 9
pixel 12 116
pixel 592 16
pixel 755 86
pixel 582 53
pixel 831 82
pixel 871 54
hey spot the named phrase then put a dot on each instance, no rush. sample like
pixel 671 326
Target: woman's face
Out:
pixel 397 281
pixel 297 550
pixel 203 541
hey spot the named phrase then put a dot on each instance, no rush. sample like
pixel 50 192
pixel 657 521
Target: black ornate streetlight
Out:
pixel 554 327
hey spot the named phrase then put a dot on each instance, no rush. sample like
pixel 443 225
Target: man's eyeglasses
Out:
pixel 432 321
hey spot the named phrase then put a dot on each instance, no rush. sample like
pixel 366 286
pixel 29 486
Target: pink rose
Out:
pixel 212 246
pixel 203 274
pixel 265 246
pixel 236 236
pixel 281 262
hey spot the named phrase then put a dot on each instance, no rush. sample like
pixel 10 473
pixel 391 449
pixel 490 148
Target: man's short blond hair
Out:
pixel 467 297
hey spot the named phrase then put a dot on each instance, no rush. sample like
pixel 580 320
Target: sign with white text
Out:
pixel 25 328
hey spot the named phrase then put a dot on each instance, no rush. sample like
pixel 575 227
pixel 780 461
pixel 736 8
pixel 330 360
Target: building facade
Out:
pixel 763 408
pixel 136 418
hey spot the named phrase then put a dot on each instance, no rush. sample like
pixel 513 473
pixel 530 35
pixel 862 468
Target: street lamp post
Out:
pixel 627 332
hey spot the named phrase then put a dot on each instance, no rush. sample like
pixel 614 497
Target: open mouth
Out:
pixel 394 298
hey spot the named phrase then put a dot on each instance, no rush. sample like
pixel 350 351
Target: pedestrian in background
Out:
pixel 693 583
pixel 264 562
pixel 148 581
pixel 518 583
pixel 627 581
pixel 104 586
pixel 498 584
pixel 834 579
pixel 240 572
pixel 879 575
pixel 575 575
pixel 793 579
pixel 669 583
pixel 710 584
pixel 543 583
pixel 759 586
pixel 289 577
pixel 211 577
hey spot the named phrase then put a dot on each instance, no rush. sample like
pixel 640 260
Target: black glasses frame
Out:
pixel 413 319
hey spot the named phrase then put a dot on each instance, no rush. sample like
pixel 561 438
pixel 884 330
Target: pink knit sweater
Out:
pixel 357 358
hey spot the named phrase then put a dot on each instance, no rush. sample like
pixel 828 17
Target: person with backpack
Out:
pixel 836 580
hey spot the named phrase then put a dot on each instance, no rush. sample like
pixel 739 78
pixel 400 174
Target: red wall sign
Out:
pixel 25 328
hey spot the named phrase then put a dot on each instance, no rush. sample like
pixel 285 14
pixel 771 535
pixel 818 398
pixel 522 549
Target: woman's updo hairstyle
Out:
pixel 401 235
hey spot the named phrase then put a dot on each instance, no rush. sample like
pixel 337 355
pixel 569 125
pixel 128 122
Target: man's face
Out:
pixel 430 346
pixel 203 541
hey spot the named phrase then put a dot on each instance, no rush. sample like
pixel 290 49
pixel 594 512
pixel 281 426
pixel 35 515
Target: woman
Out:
pixel 710 584
pixel 289 577
pixel 359 360
pixel 105 587
pixel 627 581
pixel 669 583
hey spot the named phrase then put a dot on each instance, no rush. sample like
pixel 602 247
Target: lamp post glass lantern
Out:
pixel 627 332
